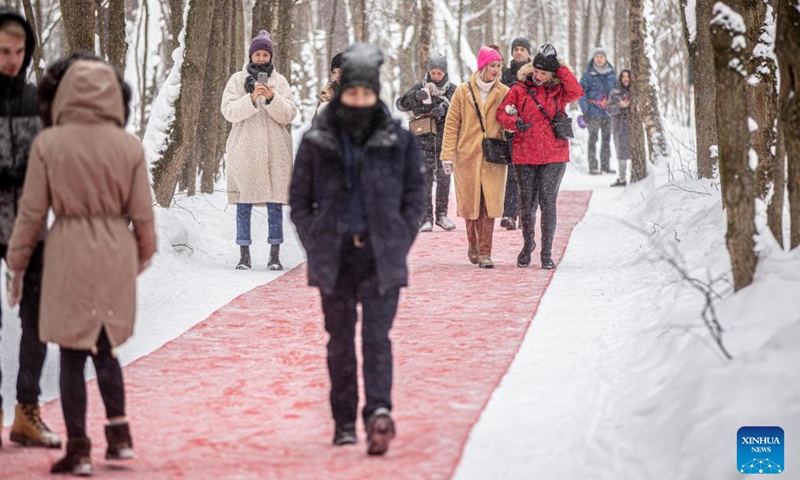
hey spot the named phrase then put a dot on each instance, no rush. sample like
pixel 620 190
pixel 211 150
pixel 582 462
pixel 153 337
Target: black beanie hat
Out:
pixel 546 59
pixel 521 42
pixel 361 64
pixel 336 61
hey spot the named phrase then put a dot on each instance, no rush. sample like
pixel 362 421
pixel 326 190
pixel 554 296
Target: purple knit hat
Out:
pixel 261 42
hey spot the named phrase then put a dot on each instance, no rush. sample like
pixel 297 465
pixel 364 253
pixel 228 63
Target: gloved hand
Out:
pixel 511 110
pixel 447 167
pixel 439 111
pixel 521 126
pixel 421 95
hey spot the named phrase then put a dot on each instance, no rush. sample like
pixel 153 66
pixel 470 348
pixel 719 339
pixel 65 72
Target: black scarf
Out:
pixel 254 69
pixel 359 123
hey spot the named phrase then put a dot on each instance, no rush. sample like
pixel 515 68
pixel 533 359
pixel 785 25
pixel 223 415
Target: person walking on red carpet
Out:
pixel 356 198
pixel 93 175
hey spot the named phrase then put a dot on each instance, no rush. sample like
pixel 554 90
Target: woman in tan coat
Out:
pixel 480 185
pixel 94 176
pixel 259 104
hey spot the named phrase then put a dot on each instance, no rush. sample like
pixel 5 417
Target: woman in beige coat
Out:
pixel 93 175
pixel 480 185
pixel 259 104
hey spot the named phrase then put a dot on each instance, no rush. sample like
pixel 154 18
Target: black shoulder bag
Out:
pixel 494 150
pixel 562 124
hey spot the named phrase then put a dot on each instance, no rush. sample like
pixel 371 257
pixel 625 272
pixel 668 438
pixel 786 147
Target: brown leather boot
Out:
pixel 120 443
pixel 29 430
pixel 78 460
pixel 472 253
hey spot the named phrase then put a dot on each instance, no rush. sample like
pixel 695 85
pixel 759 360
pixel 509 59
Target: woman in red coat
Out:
pixel 540 159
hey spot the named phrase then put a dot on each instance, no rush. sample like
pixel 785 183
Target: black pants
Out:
pixel 602 125
pixel 511 205
pixel 73 385
pixel 538 187
pixel 358 282
pixel 32 352
pixel 434 173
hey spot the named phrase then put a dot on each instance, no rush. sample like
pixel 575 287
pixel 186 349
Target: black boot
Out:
pixel 274 258
pixel 78 460
pixel 524 257
pixel 120 443
pixel 244 258
pixel 345 434
pixel 380 431
pixel 547 261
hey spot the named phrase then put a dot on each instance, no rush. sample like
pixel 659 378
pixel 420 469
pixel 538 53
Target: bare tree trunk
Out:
pixel 408 19
pixel 587 27
pixel 425 30
pixel 648 83
pixel 101 27
pixel 601 15
pixel 787 44
pixel 37 49
pixel 622 45
pixel 117 46
pixel 458 36
pixel 775 205
pixel 282 26
pixel 237 48
pixel 638 152
pixel 263 15
pixel 358 16
pixel 176 20
pixel 572 36
pixel 701 59
pixel 167 170
pixel 78 23
pixel 727 35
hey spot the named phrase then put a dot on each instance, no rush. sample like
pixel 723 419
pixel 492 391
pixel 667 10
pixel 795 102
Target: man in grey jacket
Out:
pixel 19 125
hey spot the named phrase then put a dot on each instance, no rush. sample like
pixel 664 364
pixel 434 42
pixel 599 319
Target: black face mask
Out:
pixel 357 122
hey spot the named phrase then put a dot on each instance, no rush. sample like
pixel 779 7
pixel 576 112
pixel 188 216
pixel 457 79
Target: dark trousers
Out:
pixel 538 187
pixel 32 352
pixel 430 148
pixel 602 125
pixel 357 282
pixel 511 205
pixel 73 385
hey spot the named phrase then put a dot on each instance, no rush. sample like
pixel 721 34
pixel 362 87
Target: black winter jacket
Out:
pixel 409 102
pixel 393 187
pixel 19 125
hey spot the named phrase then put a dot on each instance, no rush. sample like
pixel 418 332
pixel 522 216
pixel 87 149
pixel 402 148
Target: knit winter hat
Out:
pixel 336 61
pixel 486 56
pixel 599 51
pixel 546 58
pixel 521 42
pixel 261 42
pixel 438 62
pixel 361 65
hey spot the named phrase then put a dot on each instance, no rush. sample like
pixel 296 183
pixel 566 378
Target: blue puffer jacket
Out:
pixel 597 87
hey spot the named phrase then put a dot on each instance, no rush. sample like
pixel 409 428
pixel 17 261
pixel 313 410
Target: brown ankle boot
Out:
pixel 29 430
pixel 78 460
pixel 120 443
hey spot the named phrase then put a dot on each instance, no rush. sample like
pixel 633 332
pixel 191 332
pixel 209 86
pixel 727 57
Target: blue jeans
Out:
pixel 274 221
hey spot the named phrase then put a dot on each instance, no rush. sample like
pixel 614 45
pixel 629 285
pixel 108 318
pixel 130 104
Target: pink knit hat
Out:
pixel 486 56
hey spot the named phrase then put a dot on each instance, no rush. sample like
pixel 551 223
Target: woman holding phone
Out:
pixel 259 104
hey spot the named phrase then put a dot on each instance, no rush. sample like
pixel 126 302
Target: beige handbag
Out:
pixel 422 125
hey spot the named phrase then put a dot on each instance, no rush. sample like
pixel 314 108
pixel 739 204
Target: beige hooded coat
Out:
pixel 92 173
pixel 259 146
pixel 462 145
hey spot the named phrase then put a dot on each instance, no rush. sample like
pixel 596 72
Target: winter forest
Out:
pixel 671 320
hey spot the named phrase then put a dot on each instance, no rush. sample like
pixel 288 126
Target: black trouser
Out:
pixel 538 187
pixel 73 385
pixel 358 282
pixel 434 172
pixel 511 205
pixel 32 352
pixel 603 125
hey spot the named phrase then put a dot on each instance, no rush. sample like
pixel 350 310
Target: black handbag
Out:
pixel 494 150
pixel 562 124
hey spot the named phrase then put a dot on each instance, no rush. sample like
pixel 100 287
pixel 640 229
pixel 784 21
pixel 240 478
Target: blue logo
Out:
pixel 760 450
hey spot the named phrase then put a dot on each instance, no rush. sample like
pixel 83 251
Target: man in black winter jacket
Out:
pixel 356 199
pixel 520 55
pixel 19 125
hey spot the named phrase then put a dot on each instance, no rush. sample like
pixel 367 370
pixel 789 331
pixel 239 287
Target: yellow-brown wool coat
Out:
pixel 462 146
pixel 92 174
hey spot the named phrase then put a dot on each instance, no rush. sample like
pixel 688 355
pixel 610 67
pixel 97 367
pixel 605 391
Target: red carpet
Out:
pixel 244 394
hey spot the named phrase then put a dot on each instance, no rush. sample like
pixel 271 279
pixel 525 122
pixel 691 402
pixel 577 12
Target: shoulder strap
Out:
pixel 477 110
pixel 541 108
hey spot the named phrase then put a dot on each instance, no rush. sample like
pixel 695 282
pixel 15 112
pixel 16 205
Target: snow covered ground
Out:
pixel 618 377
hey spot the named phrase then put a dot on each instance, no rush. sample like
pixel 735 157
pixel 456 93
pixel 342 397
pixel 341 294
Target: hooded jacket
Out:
pixel 92 174
pixel 19 125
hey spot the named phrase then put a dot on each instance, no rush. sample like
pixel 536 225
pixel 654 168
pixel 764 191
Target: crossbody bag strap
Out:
pixel 477 110
pixel 533 95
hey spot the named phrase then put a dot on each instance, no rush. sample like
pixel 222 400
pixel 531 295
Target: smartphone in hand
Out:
pixel 263 77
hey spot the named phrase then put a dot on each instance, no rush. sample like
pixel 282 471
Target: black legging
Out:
pixel 538 187
pixel 73 385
